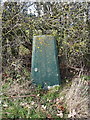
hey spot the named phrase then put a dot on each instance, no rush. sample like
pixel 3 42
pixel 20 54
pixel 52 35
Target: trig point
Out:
pixel 45 67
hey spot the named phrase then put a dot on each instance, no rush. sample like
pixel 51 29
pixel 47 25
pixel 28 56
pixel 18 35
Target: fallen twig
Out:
pixel 22 96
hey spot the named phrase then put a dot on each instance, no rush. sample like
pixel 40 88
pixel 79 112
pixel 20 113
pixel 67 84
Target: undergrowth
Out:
pixel 28 101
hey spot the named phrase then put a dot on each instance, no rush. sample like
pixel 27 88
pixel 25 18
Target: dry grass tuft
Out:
pixel 77 99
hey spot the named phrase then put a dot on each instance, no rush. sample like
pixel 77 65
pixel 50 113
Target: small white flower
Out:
pixel 23 104
pixel 72 114
pixel 28 106
pixel 5 105
pixel 0 101
pixel 69 115
pixel 38 94
pixel 32 103
pixel 44 107
pixel 48 100
pixel 57 99
pixel 60 114
pixel 61 98
pixel 1 93
pixel 67 81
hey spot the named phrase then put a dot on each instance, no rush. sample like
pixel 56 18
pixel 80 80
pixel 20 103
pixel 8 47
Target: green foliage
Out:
pixel 85 77
pixel 23 50
pixel 40 106
pixel 68 22
pixel 43 104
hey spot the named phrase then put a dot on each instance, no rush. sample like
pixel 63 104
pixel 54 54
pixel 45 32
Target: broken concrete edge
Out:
pixel 51 87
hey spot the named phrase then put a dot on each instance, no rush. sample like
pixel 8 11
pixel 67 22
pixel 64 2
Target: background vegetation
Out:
pixel 70 23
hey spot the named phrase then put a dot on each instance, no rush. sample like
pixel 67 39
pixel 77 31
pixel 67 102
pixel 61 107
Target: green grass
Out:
pixel 41 105
pixel 30 107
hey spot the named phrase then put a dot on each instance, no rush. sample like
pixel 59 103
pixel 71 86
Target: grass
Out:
pixel 41 103
pixel 21 101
